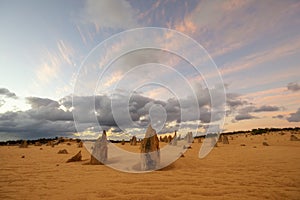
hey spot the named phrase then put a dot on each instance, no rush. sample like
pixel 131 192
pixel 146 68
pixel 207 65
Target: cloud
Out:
pixel 37 102
pixel 50 118
pixel 242 109
pixel 226 27
pixel 22 125
pixel 244 116
pixel 109 14
pixel 294 117
pixel 49 68
pixel 233 100
pixel 53 66
pixel 278 117
pixel 66 53
pixel 254 60
pixel 186 26
pixel 2 102
pixel 7 93
pixel 266 109
pixel 293 86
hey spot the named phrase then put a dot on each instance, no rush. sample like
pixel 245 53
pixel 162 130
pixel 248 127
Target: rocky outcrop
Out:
pixel 220 139
pixel 99 154
pixel 75 158
pixel 23 144
pixel 225 139
pixel 133 141
pixel 189 137
pixel 161 139
pixel 294 138
pixel 80 144
pixel 265 144
pixel 169 139
pixel 37 143
pixel 63 151
pixel 150 152
pixel 179 137
pixel 165 139
pixel 123 142
pixel 174 140
pixel 50 143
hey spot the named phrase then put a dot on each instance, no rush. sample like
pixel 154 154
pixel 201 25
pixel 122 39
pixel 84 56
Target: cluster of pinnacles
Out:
pixel 149 148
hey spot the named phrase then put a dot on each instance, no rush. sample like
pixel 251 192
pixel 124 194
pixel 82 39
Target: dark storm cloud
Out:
pixel 47 109
pixel 244 116
pixel 266 108
pixel 48 117
pixel 293 86
pixel 23 124
pixel 233 100
pixel 244 113
pixel 294 117
pixel 7 93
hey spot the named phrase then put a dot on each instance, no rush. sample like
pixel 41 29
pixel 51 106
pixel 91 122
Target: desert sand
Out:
pixel 242 169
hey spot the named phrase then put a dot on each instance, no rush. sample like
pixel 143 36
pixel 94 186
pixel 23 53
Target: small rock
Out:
pixel 123 142
pixel 75 158
pixel 80 144
pixel 243 145
pixel 265 144
pixel 294 138
pixel 37 144
pixel 23 156
pixel 63 151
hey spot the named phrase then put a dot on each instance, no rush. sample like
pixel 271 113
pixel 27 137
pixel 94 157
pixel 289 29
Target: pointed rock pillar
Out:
pixel 150 153
pixel 225 139
pixel 99 154
pixel 174 141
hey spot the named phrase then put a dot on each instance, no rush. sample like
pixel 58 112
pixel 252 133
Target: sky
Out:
pixel 52 53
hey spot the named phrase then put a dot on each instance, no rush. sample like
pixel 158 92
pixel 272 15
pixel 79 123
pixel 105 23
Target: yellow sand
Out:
pixel 228 172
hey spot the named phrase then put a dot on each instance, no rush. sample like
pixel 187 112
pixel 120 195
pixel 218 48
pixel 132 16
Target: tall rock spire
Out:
pixel 150 153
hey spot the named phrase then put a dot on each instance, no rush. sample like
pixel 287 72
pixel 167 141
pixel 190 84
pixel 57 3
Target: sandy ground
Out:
pixel 228 172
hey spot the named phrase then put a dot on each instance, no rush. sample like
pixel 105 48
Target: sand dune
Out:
pixel 230 171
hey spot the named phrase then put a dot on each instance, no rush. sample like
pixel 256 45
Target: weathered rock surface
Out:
pixel 80 144
pixel 99 154
pixel 123 142
pixel 150 152
pixel 189 137
pixel 37 144
pixel 225 139
pixel 63 151
pixel 23 144
pixel 265 144
pixel 133 141
pixel 174 140
pixel 294 138
pixel 75 158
